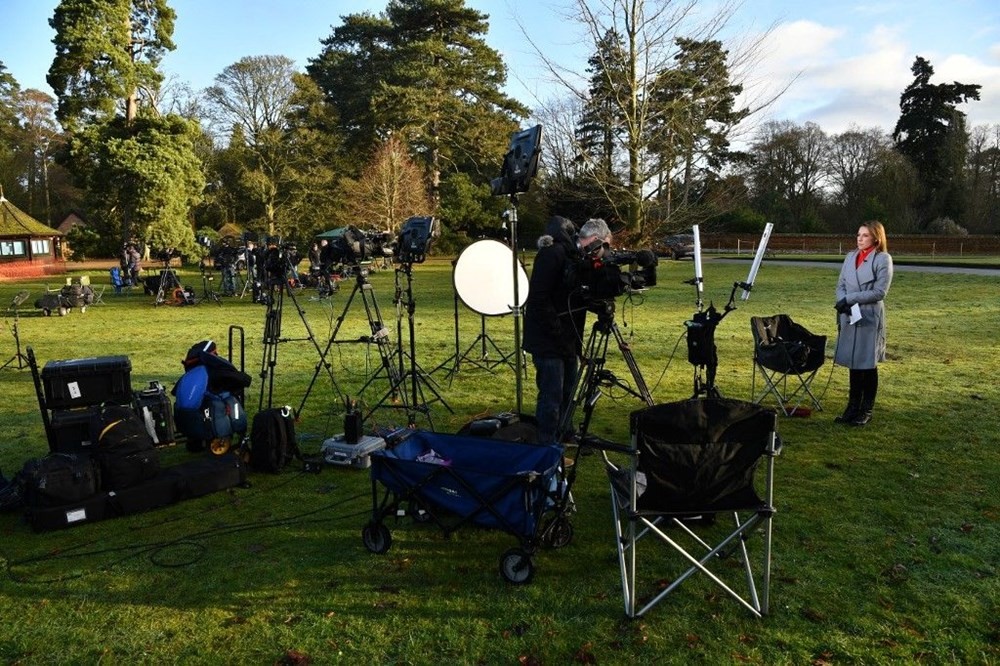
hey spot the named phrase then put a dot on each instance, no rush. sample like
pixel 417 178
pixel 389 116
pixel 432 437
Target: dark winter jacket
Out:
pixel 553 322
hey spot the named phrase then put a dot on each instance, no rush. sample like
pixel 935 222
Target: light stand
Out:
pixel 417 377
pixel 702 352
pixel 22 360
pixel 520 165
pixel 516 307
pixel 481 281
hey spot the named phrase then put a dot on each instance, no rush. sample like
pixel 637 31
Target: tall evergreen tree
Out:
pixel 694 108
pixel 421 70
pixel 601 124
pixel 11 170
pixel 136 166
pixel 107 53
pixel 931 133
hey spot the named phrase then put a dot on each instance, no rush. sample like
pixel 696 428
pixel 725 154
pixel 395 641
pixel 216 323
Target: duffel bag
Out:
pixel 58 479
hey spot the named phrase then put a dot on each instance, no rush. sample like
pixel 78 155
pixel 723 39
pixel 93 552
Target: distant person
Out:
pixel 134 260
pixel 864 282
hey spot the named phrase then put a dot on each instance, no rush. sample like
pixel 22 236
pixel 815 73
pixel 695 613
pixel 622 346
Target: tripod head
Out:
pixel 19 298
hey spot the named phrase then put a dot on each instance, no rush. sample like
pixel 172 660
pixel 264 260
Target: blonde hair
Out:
pixel 878 234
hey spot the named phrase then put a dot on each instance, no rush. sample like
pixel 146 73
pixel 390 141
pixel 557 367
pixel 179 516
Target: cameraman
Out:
pixel 554 321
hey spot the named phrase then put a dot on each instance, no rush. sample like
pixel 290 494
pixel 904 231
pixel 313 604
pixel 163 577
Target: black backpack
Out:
pixel 272 439
pixel 123 447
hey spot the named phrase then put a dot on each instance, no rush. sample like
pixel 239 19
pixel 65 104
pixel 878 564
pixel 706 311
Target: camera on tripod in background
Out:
pixel 280 261
pixel 352 246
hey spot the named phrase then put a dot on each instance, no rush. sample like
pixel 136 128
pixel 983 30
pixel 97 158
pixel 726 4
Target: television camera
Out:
pixel 225 254
pixel 351 245
pixel 279 259
pixel 602 277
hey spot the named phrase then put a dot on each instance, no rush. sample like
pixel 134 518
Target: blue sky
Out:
pixel 848 61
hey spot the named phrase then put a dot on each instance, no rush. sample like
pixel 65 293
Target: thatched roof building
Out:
pixel 28 248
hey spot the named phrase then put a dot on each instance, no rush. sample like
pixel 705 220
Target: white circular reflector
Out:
pixel 484 278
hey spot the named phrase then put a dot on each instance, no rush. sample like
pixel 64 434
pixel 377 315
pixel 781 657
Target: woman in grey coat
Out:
pixel 864 281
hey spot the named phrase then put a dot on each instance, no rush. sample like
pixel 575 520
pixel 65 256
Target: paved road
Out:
pixel 916 268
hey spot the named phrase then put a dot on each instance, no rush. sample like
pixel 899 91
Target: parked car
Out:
pixel 677 246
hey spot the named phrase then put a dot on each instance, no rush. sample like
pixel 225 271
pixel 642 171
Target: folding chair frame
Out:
pixel 632 526
pixel 775 382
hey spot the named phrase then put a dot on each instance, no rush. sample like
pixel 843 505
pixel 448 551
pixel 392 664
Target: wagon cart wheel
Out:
pixel 376 537
pixel 516 567
pixel 557 532
pixel 220 445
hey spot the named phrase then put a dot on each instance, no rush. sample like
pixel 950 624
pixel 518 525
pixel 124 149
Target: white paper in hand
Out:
pixel 855 314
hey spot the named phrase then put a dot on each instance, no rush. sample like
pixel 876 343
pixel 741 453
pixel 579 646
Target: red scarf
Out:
pixel 862 255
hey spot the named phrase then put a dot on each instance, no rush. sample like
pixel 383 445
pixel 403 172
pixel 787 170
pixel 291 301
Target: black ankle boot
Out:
pixel 850 413
pixel 863 416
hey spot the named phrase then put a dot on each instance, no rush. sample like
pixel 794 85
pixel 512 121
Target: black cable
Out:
pixel 153 549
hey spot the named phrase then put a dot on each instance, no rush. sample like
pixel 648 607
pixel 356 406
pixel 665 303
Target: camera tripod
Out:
pixel 168 280
pixel 275 300
pixel 594 375
pixel 22 360
pixel 208 294
pixel 379 335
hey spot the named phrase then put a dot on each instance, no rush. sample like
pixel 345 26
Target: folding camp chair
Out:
pixel 97 290
pixel 691 471
pixel 787 357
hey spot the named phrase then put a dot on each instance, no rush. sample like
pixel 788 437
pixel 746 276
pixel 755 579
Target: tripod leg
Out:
pixel 640 382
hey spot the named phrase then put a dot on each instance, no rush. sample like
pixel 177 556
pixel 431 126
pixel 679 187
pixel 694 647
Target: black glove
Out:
pixel 842 306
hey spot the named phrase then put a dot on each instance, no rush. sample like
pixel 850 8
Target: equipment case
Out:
pixel 87 381
pixel 187 480
pixel 69 430
pixel 336 451
pixel 152 404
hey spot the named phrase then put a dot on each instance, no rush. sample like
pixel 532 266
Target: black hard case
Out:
pixel 84 382
pixel 69 430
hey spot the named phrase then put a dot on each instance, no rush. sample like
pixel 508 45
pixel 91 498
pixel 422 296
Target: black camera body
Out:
pixel 225 256
pixel 278 260
pixel 604 277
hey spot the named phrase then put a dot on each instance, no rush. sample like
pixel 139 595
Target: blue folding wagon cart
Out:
pixel 456 480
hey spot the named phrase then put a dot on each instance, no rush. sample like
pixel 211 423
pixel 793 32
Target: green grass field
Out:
pixel 887 541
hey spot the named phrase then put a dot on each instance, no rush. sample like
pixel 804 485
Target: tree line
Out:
pixel 403 113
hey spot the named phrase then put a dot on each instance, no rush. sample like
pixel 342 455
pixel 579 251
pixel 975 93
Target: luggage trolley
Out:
pixel 455 480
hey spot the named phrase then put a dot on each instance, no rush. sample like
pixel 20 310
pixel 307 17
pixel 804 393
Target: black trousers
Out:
pixel 864 387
